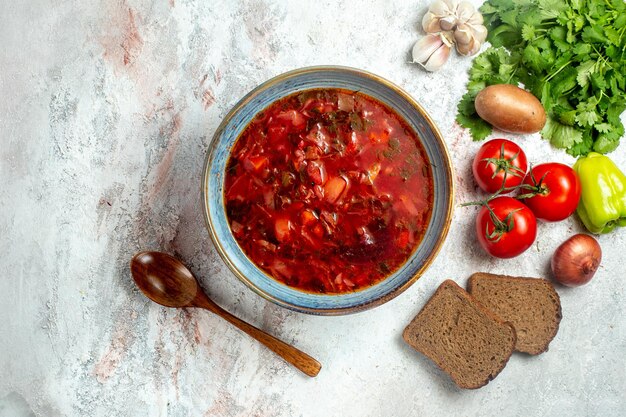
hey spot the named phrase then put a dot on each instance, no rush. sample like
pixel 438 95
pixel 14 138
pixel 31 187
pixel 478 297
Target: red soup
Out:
pixel 328 191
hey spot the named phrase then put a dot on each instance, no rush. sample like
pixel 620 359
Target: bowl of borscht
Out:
pixel 328 190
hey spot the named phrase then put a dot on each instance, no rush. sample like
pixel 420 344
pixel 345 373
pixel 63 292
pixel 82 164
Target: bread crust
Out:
pixel 408 333
pixel 553 295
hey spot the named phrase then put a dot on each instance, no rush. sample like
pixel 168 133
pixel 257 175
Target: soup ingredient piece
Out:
pixel 602 204
pixel 499 164
pixel 334 188
pixel 570 55
pixel 345 102
pixel 432 51
pixel 294 117
pixel 282 228
pixel 552 191
pixel 255 163
pixel 464 339
pixel 459 18
pixel 576 261
pixel 511 109
pixel 531 305
pixel 505 227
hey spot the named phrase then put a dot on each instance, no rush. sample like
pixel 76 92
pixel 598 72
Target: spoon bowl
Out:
pixel 164 279
pixel 167 281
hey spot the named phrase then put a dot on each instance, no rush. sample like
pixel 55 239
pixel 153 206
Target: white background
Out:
pixel 106 111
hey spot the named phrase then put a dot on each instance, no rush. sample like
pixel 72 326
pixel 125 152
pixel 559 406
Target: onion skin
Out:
pixel 576 261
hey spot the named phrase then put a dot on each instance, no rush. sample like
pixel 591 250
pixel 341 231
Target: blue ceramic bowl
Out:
pixel 326 77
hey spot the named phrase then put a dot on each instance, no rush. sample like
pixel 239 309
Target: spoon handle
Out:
pixel 294 356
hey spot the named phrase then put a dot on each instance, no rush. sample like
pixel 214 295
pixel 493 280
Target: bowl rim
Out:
pixel 440 238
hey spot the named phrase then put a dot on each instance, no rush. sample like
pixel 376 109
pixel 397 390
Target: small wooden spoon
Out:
pixel 166 281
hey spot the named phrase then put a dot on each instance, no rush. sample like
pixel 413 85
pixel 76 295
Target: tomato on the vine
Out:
pixel 505 227
pixel 557 189
pixel 499 163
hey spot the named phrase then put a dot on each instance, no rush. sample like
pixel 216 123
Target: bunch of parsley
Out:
pixel 571 54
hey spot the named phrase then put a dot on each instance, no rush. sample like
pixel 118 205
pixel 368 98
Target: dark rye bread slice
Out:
pixel 530 304
pixel 461 337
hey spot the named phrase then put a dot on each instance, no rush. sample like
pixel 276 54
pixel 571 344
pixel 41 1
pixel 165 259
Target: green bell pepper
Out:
pixel 602 204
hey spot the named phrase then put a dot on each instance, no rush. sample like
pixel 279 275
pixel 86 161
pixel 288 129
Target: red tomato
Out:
pixel 508 230
pixel 494 160
pixel 558 189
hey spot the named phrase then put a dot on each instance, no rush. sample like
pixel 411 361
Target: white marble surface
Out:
pixel 107 110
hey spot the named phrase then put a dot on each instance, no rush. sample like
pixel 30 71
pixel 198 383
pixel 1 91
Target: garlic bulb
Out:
pixel 432 51
pixel 448 22
pixel 468 41
pixel 443 8
pixel 463 34
pixel 437 11
pixel 468 49
pixel 465 11
pixel 462 19
pixel 480 32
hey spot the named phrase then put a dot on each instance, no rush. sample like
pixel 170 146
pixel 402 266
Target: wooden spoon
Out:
pixel 166 281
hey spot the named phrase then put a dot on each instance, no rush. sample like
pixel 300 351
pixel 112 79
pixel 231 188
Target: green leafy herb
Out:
pixel 571 54
pixel 384 267
pixel 358 122
pixel 393 148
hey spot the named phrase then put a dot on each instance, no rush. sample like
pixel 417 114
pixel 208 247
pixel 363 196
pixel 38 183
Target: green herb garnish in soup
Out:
pixel 328 191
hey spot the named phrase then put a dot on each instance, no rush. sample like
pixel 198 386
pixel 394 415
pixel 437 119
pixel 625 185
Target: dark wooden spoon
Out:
pixel 166 281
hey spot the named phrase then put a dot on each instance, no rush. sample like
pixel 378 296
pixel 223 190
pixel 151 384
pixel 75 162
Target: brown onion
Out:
pixel 576 260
